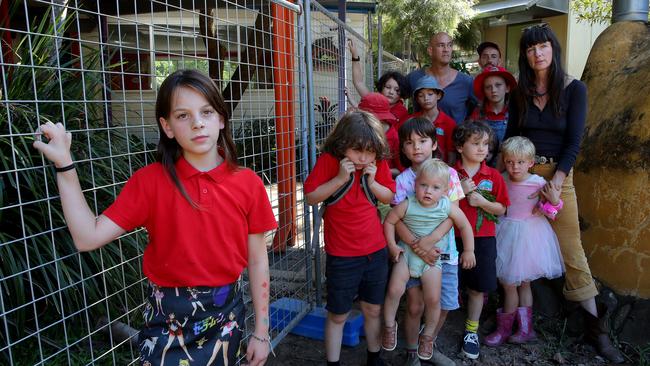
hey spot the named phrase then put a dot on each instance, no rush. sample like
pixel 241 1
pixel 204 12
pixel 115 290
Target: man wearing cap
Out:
pixel 457 86
pixel 489 54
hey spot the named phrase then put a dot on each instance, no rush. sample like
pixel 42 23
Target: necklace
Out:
pixel 538 94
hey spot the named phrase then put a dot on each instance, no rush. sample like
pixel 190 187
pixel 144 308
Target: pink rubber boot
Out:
pixel 503 331
pixel 525 332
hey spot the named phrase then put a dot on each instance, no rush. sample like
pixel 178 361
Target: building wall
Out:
pixel 575 39
pixel 580 38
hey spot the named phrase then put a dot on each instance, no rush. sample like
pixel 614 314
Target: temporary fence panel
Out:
pixel 96 66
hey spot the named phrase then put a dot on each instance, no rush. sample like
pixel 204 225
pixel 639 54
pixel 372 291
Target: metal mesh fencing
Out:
pixel 333 88
pixel 95 66
pixel 391 63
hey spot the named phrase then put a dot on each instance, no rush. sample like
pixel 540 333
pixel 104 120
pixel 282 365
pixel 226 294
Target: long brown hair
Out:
pixel 169 151
pixel 556 77
pixel 357 130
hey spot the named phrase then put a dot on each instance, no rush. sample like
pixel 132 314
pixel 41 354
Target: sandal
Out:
pixel 389 338
pixel 425 347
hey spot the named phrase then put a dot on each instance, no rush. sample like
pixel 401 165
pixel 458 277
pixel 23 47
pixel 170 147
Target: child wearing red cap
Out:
pixel 491 88
pixel 379 106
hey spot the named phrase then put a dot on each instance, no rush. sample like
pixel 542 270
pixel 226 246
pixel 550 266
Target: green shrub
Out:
pixel 51 295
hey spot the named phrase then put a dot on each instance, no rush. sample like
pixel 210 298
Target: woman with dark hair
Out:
pixel 391 84
pixel 550 107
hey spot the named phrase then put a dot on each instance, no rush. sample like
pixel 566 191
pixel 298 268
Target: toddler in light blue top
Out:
pixel 421 220
pixel 421 213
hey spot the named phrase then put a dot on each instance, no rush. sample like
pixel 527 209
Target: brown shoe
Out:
pixel 425 347
pixel 389 338
pixel 597 334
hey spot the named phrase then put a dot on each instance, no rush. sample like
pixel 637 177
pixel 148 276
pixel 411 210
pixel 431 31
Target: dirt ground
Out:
pixel 553 347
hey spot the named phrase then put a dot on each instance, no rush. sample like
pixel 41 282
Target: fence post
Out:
pixel 369 75
pixel 309 66
pixel 305 108
pixel 380 48
pixel 283 52
pixel 341 93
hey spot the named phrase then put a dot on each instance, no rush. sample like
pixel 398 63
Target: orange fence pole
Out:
pixel 283 68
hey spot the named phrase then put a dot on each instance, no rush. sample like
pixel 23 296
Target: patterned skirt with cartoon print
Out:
pixel 192 325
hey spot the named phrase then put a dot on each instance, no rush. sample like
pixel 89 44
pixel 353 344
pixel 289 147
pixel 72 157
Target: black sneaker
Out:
pixel 470 345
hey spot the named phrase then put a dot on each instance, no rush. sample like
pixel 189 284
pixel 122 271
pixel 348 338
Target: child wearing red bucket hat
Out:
pixel 491 88
pixel 379 106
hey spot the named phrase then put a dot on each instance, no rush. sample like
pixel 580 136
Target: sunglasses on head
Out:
pixel 540 26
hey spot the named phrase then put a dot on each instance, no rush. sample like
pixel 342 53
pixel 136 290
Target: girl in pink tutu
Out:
pixel 527 248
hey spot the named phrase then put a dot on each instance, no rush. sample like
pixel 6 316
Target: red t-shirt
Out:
pixel 488 179
pixel 399 110
pixel 393 143
pixel 444 132
pixel 489 114
pixel 191 247
pixel 352 227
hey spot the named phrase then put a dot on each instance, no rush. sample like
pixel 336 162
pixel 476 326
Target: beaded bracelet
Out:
pixel 64 169
pixel 264 340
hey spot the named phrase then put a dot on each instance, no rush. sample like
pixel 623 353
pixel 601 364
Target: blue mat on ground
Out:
pixel 313 324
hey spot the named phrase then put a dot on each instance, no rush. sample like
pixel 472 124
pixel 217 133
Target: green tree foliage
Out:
pixel 408 24
pixel 592 11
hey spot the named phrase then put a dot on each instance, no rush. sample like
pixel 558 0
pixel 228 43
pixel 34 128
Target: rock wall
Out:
pixel 612 174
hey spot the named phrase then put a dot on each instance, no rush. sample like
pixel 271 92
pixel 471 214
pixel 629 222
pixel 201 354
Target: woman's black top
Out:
pixel 556 137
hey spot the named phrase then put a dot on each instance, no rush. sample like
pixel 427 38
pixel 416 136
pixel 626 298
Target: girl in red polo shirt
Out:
pixel 357 261
pixel 196 204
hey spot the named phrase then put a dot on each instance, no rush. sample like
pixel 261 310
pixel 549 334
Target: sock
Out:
pixel 333 363
pixel 471 326
pixel 412 349
pixel 373 357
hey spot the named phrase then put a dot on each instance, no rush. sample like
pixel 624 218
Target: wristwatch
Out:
pixel 356 59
